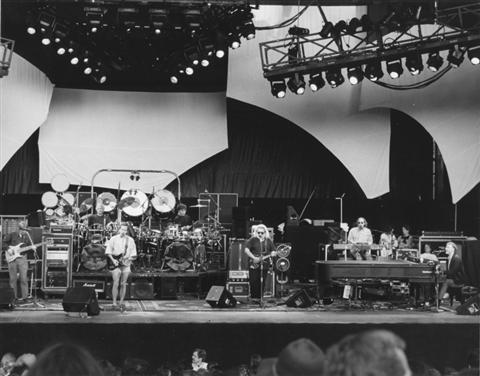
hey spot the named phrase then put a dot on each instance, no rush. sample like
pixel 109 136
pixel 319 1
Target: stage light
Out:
pixel 316 82
pixel 61 49
pixel 414 64
pixel 31 24
pixel 207 48
pixel 326 30
pixel 394 68
pixel 355 75
pixel 247 30
pixel 233 41
pixel 434 61
pixel 278 88
pixel 334 77
pixel 282 264
pixel 354 25
pixel 74 60
pixel 47 38
pixel 46 21
pixel 455 57
pixel 220 43
pixel 296 84
pixel 93 18
pixel 373 71
pixel 474 55
pixel 192 55
pixel 298 31
pixel 158 19
pixel 99 74
pixel 340 26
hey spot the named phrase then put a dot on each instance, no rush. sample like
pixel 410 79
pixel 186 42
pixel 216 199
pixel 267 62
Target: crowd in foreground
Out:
pixel 370 353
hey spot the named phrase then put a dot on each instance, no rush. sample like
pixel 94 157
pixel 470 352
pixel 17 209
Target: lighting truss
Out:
pixel 6 53
pixel 342 50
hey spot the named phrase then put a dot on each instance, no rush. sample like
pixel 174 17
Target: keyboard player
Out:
pixel 361 239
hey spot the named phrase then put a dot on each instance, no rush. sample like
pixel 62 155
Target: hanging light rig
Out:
pixel 405 40
pixel 177 40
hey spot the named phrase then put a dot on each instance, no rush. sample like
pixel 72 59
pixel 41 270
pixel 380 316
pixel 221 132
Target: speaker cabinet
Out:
pixel 168 288
pixel 81 299
pixel 7 298
pixel 220 297
pixel 300 299
pixel 141 289
pixel 108 291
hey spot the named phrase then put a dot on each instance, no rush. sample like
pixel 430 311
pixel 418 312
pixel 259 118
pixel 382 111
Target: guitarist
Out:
pixel 17 268
pixel 258 248
pixel 121 251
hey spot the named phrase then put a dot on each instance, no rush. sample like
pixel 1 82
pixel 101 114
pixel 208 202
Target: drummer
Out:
pixel 98 218
pixel 183 220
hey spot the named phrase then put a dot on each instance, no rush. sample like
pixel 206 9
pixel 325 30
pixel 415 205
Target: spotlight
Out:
pixel 474 55
pixel 282 264
pixel 220 43
pixel 248 30
pixel 373 71
pixel 99 76
pixel 61 49
pixel 158 19
pixel 296 84
pixel 334 77
pixel 74 60
pixel 87 70
pixel 31 24
pixel 455 56
pixel 94 18
pixel 434 61
pixel 192 55
pixel 278 88
pixel 355 75
pixel 414 64
pixel 316 82
pixel 298 31
pixel 233 41
pixel 326 30
pixel 173 78
pixel 206 47
pixel 394 68
pixel 46 21
pixel 340 26
pixel 354 25
pixel 47 38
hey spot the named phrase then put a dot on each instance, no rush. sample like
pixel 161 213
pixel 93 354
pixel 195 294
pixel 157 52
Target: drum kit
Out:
pixel 163 246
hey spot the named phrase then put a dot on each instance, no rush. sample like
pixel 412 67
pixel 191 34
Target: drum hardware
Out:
pixel 198 206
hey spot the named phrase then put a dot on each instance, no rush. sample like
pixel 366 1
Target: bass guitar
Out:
pixel 266 260
pixel 15 251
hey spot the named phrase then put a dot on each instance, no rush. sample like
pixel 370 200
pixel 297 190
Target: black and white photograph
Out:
pixel 239 187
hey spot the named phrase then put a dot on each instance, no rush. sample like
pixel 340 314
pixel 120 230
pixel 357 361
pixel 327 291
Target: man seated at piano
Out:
pixel 361 239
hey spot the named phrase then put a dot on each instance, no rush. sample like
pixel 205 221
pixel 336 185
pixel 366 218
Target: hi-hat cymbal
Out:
pixel 198 206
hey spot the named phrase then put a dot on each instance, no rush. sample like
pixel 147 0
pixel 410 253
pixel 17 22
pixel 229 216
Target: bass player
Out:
pixel 18 242
pixel 121 251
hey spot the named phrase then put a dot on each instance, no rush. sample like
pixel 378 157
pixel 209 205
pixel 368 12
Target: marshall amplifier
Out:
pixel 99 286
pixel 239 289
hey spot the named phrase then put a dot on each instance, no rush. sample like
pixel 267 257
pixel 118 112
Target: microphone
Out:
pixel 342 196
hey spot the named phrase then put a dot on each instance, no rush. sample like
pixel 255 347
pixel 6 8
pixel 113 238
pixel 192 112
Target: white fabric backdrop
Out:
pixel 24 100
pixel 91 130
pixel 360 141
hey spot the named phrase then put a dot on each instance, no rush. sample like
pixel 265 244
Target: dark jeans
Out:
pixel 17 270
pixel 255 281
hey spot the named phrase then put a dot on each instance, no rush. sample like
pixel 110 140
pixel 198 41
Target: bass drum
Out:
pixel 138 205
pixel 179 256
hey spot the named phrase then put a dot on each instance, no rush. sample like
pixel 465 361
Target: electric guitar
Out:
pixel 122 261
pixel 15 251
pixel 265 259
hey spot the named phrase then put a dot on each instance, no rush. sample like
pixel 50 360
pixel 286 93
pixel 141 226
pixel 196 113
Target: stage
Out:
pixel 198 311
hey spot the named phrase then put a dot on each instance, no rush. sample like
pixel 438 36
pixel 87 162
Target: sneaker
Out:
pixel 122 308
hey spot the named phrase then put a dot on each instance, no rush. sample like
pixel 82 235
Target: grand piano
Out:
pixel 361 273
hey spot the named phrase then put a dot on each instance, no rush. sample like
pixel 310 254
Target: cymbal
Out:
pixel 108 201
pixel 163 201
pixel 127 201
pixel 198 206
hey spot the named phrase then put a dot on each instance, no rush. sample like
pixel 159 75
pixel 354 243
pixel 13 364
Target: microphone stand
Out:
pixel 261 276
pixel 35 302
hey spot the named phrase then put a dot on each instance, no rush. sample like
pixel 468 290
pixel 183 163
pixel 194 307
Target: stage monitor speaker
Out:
pixel 220 297
pixel 300 299
pixel 168 288
pixel 7 298
pixel 141 289
pixel 470 307
pixel 81 299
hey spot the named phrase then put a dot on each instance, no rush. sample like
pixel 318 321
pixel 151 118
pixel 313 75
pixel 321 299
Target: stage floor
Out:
pixel 198 311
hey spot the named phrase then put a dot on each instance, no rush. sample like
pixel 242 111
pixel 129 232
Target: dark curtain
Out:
pixel 21 174
pixel 269 157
